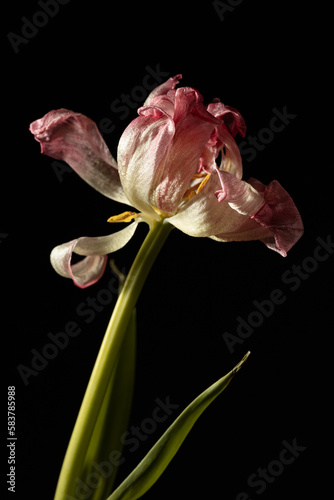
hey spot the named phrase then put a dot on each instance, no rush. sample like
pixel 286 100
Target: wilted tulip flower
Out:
pixel 177 162
pixel 177 165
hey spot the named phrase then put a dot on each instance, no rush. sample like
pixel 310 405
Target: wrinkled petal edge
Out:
pixel 279 215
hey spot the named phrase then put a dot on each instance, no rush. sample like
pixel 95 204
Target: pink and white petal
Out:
pixel 90 269
pixel 141 152
pixel 162 90
pixel 204 215
pixel 279 215
pixel 84 273
pixel 247 230
pixel 75 139
pixel 240 195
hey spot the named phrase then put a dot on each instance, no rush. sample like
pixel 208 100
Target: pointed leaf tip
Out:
pixel 240 364
pixel 155 462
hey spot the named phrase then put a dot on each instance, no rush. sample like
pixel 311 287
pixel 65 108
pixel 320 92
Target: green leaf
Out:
pixel 152 466
pixel 105 446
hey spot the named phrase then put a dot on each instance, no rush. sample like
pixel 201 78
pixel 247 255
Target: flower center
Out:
pixel 197 184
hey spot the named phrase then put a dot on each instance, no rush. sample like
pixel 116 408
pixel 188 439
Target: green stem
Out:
pixel 75 456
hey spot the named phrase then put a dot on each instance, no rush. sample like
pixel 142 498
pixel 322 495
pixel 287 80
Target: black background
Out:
pixel 261 56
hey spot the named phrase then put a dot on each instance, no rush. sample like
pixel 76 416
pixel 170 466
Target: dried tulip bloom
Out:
pixel 167 169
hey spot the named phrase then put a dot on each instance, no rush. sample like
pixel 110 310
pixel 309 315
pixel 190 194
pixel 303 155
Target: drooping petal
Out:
pixel 141 150
pixel 90 269
pixel 75 139
pixel 279 215
pixel 84 273
pixel 277 223
pixel 222 206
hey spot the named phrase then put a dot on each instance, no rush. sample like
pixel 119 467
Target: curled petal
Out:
pixel 240 195
pixel 233 120
pixel 90 269
pixel 222 142
pixel 162 90
pixel 75 139
pixel 231 158
pixel 279 215
pixel 189 100
pixel 84 273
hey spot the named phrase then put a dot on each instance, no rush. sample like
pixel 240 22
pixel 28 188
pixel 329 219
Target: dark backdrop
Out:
pixel 260 58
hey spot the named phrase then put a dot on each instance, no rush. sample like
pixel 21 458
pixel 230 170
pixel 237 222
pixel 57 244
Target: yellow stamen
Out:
pixel 190 193
pixel 199 176
pixel 124 217
pixel 202 184
pixel 193 190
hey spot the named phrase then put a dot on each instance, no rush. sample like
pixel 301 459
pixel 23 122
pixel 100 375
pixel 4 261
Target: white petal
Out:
pixel 205 216
pixel 90 269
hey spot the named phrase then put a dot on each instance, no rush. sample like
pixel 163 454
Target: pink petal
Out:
pixel 90 269
pixel 279 215
pixel 189 100
pixel 162 90
pixel 193 127
pixel 74 138
pixel 230 116
pixel 222 142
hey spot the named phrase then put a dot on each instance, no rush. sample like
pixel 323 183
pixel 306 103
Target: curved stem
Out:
pixel 105 362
